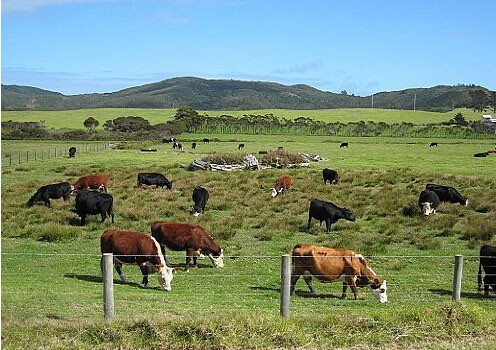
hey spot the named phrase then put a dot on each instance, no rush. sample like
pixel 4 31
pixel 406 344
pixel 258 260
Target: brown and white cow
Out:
pixel 284 183
pixel 329 264
pixel 130 247
pixel 95 182
pixel 192 238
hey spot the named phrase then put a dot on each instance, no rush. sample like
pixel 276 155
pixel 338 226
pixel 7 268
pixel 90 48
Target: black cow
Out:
pixel 153 179
pixel 487 261
pixel 447 194
pixel 72 152
pixel 53 191
pixel 343 144
pixel 328 212
pixel 200 197
pixel 433 144
pixel 428 202
pixel 262 152
pixel 330 175
pixel 94 203
pixel 193 145
pixel 206 140
pixel 241 146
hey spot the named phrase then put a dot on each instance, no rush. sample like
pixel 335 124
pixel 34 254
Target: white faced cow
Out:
pixel 130 247
pixel 329 264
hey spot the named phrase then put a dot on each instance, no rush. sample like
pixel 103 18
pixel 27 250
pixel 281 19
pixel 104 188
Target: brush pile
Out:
pixel 272 159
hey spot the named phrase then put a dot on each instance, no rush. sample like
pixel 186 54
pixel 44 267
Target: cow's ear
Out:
pixel 376 280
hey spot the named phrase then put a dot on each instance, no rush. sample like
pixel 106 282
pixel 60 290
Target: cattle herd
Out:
pixel 326 264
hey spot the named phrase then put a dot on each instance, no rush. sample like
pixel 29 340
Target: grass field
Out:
pixel 51 284
pixel 74 119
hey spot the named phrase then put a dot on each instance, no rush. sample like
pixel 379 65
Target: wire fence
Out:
pixel 16 157
pixel 64 285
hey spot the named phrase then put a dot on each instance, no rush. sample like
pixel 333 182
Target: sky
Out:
pixel 361 46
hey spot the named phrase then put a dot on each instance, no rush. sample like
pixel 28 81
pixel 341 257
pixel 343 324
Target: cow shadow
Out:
pixel 99 280
pixel 298 293
pixel 463 295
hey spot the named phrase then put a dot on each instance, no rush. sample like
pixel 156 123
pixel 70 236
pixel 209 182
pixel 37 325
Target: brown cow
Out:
pixel 98 182
pixel 282 184
pixel 329 264
pixel 192 238
pixel 130 247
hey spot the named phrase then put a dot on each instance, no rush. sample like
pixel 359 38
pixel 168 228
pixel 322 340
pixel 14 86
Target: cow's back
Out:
pixel 324 263
pixel 180 236
pixel 124 242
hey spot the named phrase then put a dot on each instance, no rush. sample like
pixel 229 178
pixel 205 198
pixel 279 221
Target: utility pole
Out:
pixel 372 101
pixel 414 100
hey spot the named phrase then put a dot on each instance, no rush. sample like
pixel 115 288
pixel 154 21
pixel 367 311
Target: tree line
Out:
pixel 189 120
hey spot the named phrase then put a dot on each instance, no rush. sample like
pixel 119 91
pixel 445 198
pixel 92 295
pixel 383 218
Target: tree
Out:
pixel 459 119
pixel 479 99
pixel 91 124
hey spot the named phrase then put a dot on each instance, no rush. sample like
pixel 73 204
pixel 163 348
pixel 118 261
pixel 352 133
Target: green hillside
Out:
pixel 203 94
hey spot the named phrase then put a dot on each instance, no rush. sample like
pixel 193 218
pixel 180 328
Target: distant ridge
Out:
pixel 218 94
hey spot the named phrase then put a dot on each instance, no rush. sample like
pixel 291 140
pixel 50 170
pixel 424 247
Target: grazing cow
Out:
pixel 200 197
pixel 481 154
pixel 433 144
pixel 193 145
pixel 53 191
pixel 328 212
pixel 262 152
pixel 428 202
pixel 153 179
pixel 72 152
pixel 97 182
pixel 94 203
pixel 130 247
pixel 241 146
pixel 166 140
pixel 330 175
pixel 487 261
pixel 283 184
pixel 192 238
pixel 206 140
pixel 329 264
pixel 447 194
pixel 343 144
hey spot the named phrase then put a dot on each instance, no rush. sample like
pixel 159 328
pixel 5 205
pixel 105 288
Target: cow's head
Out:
pixel 169 185
pixel 348 215
pixel 427 208
pixel 218 260
pixel 379 290
pixel 273 192
pixel 165 274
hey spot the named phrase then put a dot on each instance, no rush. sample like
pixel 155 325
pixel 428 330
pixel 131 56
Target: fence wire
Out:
pixel 70 286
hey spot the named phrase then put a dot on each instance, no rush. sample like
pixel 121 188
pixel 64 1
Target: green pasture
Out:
pixel 51 283
pixel 73 119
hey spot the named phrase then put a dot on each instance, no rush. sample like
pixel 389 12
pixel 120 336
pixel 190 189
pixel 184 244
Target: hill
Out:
pixel 206 94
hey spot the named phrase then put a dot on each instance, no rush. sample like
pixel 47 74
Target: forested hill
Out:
pixel 205 94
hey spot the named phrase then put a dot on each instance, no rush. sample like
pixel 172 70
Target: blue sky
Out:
pixel 361 46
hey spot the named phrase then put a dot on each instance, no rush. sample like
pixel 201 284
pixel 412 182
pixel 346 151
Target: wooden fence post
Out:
pixel 285 285
pixel 108 286
pixel 457 277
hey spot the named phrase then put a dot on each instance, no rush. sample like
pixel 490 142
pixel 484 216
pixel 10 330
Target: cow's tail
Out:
pixel 479 277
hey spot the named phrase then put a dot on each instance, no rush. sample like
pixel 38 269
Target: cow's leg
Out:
pixel 144 272
pixel 345 287
pixel 83 219
pixel 110 213
pixel 308 280
pixel 328 225
pixel 309 220
pixel 118 268
pixel 350 280
pixel 294 278
pixel 189 255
